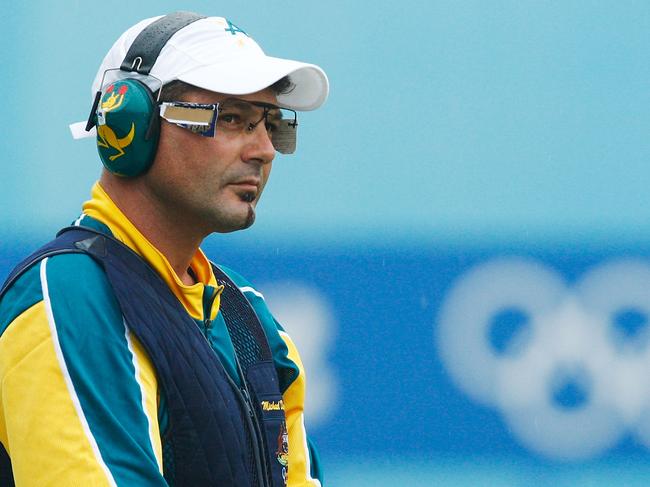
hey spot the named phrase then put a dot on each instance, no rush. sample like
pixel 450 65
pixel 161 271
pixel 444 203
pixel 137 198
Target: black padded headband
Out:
pixel 147 45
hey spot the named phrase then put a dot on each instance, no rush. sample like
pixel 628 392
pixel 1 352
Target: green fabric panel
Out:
pixel 21 296
pixel 91 334
pixel 221 343
pixel 90 222
pixel 315 462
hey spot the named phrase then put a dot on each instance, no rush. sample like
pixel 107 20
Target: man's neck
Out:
pixel 175 239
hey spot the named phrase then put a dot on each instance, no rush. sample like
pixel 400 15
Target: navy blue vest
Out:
pixel 219 434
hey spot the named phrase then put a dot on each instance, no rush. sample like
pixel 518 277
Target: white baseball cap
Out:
pixel 214 54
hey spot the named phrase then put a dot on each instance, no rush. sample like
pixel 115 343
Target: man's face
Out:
pixel 211 184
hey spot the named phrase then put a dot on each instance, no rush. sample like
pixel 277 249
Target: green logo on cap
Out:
pixel 233 29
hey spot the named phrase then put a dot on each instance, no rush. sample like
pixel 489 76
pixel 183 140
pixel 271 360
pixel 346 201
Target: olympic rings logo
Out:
pixel 574 374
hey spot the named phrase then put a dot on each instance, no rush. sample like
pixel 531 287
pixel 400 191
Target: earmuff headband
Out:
pixel 147 45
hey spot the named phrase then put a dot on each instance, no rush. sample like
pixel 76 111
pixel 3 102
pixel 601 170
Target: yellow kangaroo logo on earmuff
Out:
pixel 109 139
pixel 106 135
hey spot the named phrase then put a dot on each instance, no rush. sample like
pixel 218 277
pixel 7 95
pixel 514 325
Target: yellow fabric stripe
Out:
pixel 41 430
pixel 294 400
pixel 102 208
pixel 66 376
pixel 146 378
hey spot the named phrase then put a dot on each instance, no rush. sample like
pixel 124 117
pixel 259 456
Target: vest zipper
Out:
pixel 262 457
pixel 243 396
pixel 258 448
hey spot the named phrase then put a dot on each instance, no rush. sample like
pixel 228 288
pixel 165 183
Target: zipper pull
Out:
pixel 207 325
pixel 209 295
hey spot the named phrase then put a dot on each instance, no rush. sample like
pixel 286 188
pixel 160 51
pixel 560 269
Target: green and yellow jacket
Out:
pixel 79 399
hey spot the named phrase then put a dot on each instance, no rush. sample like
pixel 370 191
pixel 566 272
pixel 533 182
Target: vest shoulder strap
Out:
pixel 65 243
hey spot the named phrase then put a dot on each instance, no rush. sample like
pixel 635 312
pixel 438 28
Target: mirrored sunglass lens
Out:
pixel 280 123
pixel 283 136
pixel 197 119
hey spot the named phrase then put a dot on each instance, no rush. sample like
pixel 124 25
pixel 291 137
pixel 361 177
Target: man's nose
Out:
pixel 260 145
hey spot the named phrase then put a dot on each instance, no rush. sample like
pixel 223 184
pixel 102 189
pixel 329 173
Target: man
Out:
pixel 126 357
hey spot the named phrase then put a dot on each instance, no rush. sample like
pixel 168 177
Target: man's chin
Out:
pixel 238 224
pixel 250 218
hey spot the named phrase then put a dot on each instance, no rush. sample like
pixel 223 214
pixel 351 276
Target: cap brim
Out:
pixel 248 75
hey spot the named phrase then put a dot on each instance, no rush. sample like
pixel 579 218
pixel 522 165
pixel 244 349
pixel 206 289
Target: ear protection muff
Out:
pixel 126 111
pixel 127 131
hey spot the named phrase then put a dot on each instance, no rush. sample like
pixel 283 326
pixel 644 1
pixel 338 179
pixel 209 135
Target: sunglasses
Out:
pixel 235 116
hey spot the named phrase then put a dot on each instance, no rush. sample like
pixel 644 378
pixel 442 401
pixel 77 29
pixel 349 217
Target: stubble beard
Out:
pixel 228 224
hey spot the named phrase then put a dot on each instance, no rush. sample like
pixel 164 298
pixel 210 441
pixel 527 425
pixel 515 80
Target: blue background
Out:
pixel 455 133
